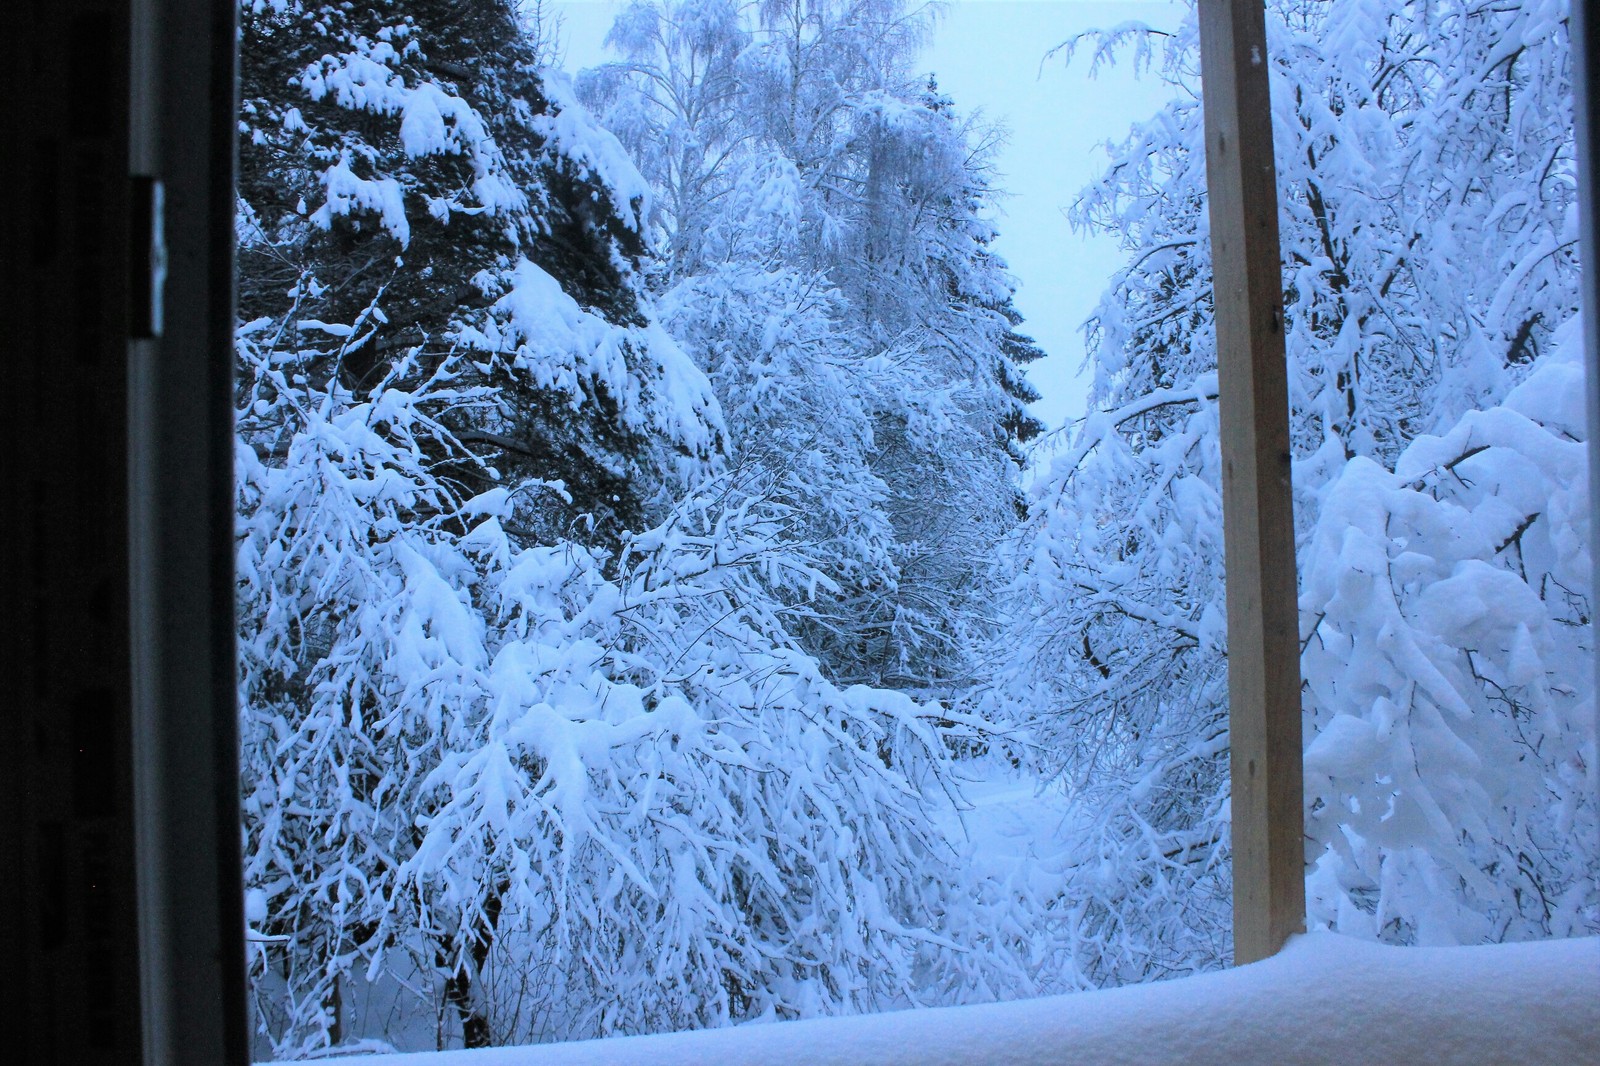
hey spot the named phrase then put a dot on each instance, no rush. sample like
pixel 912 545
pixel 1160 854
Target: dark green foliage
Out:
pixel 325 86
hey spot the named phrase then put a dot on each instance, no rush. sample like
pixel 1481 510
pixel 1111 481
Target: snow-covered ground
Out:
pixel 1010 819
pixel 1323 999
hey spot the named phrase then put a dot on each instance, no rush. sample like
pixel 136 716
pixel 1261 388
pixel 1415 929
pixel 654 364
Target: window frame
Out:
pixel 124 808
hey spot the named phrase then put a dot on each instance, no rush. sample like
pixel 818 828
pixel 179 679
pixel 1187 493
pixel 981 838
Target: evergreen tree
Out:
pixel 404 167
pixel 410 192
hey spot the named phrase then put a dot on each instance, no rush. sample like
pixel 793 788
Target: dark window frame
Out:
pixel 122 873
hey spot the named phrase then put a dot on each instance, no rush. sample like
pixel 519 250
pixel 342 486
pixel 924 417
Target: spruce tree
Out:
pixel 398 160
pixel 438 285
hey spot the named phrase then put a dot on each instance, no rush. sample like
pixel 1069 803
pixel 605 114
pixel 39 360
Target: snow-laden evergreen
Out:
pixel 1425 165
pixel 410 182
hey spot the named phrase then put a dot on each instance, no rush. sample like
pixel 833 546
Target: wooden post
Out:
pixel 1258 511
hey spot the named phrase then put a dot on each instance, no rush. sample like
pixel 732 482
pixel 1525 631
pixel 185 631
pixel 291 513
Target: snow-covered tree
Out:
pixel 530 746
pixel 824 216
pixel 411 190
pixel 674 97
pixel 543 795
pixel 1425 163
pixel 407 174
pixel 1450 778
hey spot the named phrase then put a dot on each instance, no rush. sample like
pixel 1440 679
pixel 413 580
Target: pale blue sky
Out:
pixel 989 55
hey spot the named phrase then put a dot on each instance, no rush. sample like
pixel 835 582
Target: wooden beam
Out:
pixel 1258 511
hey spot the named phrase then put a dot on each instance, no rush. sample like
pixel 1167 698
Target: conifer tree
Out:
pixel 438 276
pixel 399 161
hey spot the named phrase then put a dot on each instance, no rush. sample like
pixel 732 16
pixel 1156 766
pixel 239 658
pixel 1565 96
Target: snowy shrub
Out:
pixel 584 804
pixel 1451 769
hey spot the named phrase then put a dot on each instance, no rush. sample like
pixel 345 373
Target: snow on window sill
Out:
pixel 1323 999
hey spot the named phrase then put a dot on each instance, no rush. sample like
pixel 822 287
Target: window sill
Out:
pixel 1323 999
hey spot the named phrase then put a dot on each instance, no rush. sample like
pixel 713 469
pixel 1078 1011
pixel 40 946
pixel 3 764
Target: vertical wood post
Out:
pixel 1258 514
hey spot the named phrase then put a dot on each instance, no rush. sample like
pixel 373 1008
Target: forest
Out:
pixel 650 574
